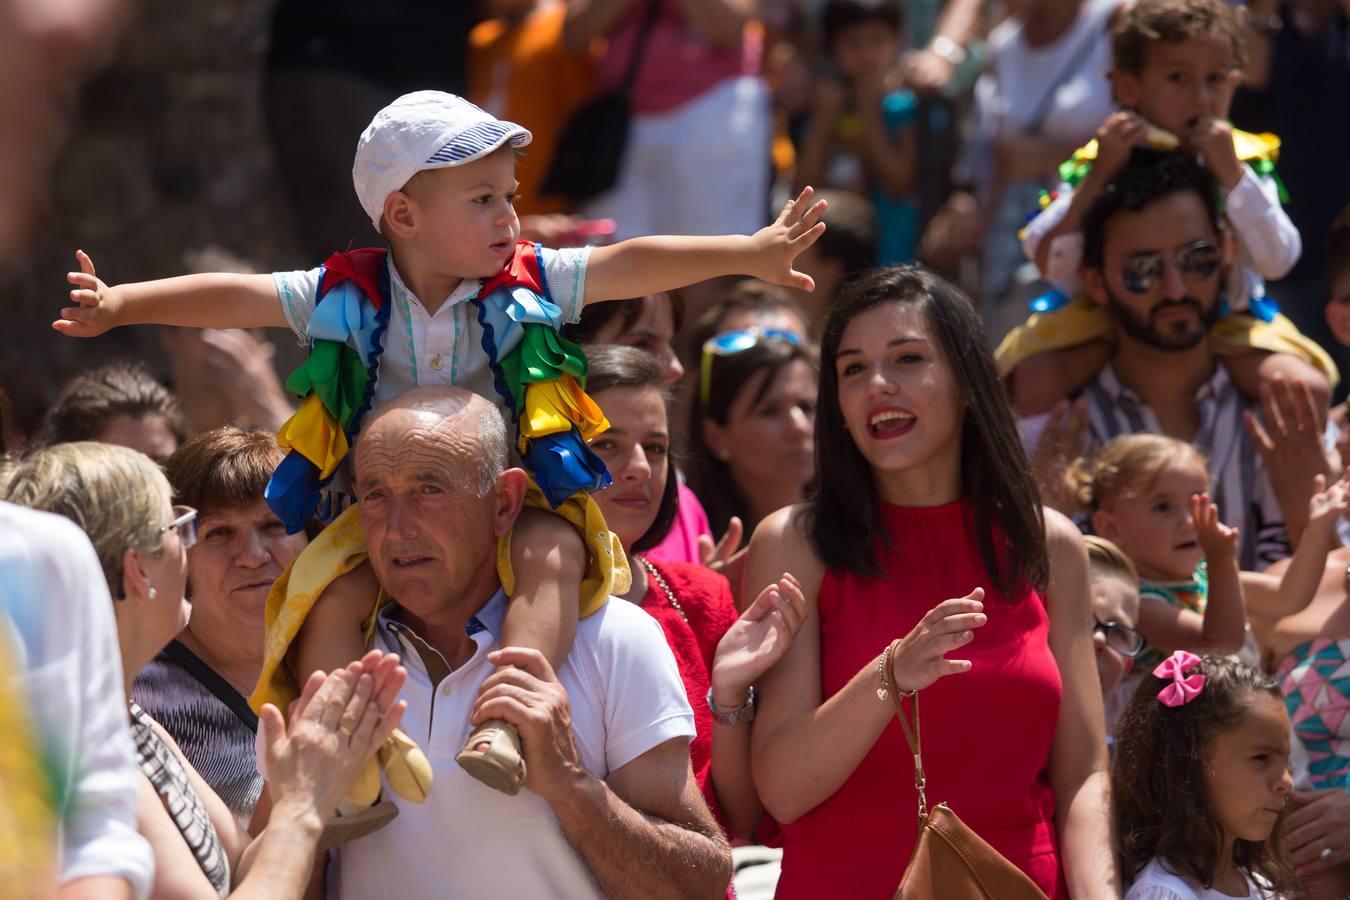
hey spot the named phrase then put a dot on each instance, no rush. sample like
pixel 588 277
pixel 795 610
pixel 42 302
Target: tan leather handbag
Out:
pixel 950 861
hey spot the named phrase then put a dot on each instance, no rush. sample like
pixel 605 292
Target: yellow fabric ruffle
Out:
pixel 341 547
pixel 315 434
pixel 337 550
pixel 1082 321
pixel 555 406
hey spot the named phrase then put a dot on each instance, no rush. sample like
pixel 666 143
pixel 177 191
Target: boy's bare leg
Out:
pixel 330 637
pixel 1041 381
pixel 549 561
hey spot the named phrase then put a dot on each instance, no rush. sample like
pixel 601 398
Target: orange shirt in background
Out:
pixel 522 73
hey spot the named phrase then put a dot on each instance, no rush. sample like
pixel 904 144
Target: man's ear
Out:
pixel 400 215
pixel 1094 284
pixel 1125 88
pixel 1104 524
pixel 509 493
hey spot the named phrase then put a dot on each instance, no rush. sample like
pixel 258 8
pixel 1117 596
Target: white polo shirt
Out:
pixel 467 840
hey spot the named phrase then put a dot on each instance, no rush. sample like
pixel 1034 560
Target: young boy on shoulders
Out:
pixel 1176 64
pixel 457 300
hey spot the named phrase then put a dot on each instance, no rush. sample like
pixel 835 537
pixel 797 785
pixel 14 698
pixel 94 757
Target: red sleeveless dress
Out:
pixel 986 733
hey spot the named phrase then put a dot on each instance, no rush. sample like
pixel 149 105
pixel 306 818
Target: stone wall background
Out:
pixel 167 154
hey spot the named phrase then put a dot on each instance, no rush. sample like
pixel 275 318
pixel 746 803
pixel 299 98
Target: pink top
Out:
pixel 681 543
pixel 677 64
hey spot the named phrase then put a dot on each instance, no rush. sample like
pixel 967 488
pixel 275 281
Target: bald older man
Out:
pixel 612 808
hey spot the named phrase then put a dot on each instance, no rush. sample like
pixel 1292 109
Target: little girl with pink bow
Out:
pixel 1200 782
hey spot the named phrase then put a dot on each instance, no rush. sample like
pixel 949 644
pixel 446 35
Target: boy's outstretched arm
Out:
pixel 208 300
pixel 648 265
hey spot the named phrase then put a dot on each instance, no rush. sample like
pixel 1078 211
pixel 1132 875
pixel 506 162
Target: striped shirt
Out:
pixel 1238 481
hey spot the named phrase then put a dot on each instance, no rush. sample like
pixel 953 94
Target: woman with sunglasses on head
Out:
pixel 751 442
pixel 720 654
pixel 197 687
pixel 929 566
pixel 121 500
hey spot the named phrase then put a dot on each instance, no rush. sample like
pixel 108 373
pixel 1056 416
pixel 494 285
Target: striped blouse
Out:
pixel 170 780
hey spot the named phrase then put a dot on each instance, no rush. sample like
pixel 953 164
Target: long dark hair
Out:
pixel 1160 804
pixel 612 365
pixel 709 476
pixel 844 518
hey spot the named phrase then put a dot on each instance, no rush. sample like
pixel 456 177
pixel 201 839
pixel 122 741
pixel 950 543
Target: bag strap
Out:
pixel 1078 57
pixel 912 735
pixel 635 58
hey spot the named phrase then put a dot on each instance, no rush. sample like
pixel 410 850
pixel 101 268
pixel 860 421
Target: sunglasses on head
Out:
pixel 729 343
pixel 1143 271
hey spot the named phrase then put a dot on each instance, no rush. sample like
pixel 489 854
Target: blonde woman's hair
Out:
pixel 115 494
pixel 1131 463
pixel 1105 556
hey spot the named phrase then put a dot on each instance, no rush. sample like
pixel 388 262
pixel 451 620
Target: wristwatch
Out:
pixel 948 49
pixel 742 715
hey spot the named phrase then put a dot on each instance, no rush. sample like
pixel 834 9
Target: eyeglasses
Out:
pixel 1143 271
pixel 1125 641
pixel 729 343
pixel 185 522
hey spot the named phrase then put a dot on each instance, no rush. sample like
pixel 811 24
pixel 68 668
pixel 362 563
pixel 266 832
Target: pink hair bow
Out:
pixel 1183 689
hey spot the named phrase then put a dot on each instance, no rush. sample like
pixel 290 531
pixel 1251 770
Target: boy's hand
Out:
pixel 777 246
pixel 1214 139
pixel 1116 137
pixel 100 306
pixel 1217 540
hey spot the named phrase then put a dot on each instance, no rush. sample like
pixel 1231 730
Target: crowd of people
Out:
pixel 909 356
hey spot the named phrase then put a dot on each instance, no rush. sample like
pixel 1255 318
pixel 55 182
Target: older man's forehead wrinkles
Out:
pixel 414 458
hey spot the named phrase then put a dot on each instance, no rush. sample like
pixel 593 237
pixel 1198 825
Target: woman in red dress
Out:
pixel 720 653
pixel 927 527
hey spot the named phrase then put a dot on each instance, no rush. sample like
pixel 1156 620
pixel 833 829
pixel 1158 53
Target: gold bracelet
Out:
pixel 884 670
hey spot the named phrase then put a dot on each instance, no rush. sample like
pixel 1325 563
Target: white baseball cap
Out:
pixel 423 130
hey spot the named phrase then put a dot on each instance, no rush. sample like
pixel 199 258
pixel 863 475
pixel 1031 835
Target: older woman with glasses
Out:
pixel 121 500
pixel 752 449
pixel 197 686
pixel 1115 612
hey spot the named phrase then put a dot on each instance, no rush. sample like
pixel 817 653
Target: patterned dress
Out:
pixel 170 780
pixel 1315 679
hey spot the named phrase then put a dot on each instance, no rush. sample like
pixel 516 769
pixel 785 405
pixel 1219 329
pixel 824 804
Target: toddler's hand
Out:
pixel 777 246
pixel 1116 137
pixel 100 306
pixel 1327 504
pixel 1214 139
pixel 1217 540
